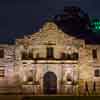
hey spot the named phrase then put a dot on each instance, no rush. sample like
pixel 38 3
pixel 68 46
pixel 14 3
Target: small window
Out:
pixel 50 52
pixel 1 53
pixel 94 53
pixel 69 77
pixel 30 79
pixel 2 72
pixel 30 76
pixel 97 72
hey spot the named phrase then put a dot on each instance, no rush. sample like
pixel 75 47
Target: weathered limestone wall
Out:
pixel 50 35
pixel 7 64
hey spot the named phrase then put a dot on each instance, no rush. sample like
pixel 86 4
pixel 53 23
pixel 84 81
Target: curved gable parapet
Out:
pixel 49 34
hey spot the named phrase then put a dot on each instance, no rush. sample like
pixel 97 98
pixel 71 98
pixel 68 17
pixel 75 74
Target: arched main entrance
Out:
pixel 49 83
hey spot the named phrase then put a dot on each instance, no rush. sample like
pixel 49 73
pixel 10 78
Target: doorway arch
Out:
pixel 50 83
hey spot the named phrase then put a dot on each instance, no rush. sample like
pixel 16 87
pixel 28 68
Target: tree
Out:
pixel 73 20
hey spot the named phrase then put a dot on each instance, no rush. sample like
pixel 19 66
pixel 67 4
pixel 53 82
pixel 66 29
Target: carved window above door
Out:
pixel 50 52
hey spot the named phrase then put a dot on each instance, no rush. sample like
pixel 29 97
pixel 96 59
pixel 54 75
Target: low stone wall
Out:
pixel 84 88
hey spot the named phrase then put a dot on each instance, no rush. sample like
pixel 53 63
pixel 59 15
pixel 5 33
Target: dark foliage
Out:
pixel 76 22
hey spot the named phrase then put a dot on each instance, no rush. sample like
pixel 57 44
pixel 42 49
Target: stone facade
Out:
pixel 47 56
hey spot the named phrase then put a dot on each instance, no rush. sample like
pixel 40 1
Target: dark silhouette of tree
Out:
pixel 76 22
pixel 73 20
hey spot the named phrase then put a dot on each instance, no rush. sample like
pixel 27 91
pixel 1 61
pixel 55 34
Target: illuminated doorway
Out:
pixel 50 83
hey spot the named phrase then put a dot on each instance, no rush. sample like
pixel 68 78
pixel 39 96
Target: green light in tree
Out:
pixel 95 25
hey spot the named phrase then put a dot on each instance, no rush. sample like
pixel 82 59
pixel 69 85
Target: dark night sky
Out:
pixel 21 16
